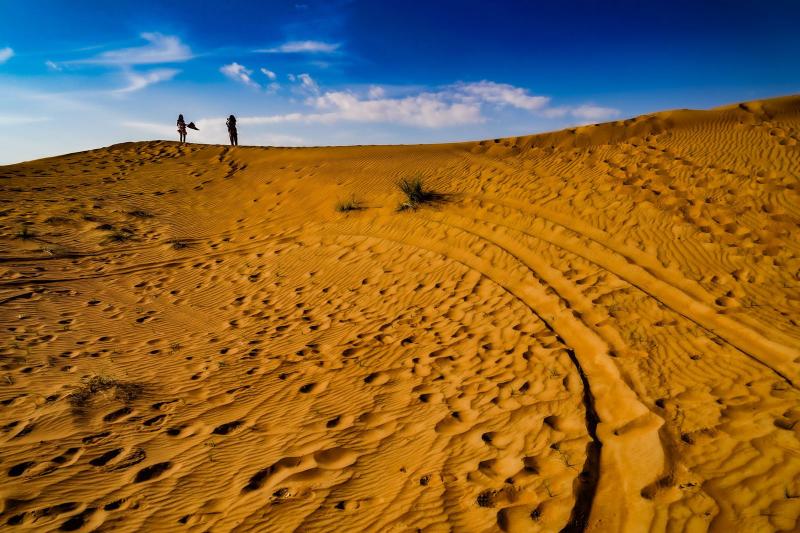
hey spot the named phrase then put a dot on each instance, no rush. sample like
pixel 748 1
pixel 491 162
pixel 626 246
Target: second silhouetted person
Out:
pixel 232 133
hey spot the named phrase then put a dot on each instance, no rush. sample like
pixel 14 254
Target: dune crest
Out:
pixel 592 329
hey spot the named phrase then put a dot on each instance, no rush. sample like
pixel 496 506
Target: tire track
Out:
pixel 778 357
pixel 626 430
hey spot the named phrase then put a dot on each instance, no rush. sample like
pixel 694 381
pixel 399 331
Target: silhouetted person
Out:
pixel 182 128
pixel 232 133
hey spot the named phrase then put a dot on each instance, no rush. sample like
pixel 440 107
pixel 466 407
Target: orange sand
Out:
pixel 597 329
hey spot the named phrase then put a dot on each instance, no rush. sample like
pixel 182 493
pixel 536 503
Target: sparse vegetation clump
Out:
pixel 57 220
pixel 140 213
pixel 179 244
pixel 416 194
pixel 25 233
pixel 124 391
pixel 120 235
pixel 345 206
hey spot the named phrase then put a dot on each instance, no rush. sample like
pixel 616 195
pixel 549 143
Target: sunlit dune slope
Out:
pixel 594 329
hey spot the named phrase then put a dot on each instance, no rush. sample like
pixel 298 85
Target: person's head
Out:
pixel 232 118
pixel 180 117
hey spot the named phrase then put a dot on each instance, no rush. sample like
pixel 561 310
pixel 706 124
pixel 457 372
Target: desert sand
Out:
pixel 592 329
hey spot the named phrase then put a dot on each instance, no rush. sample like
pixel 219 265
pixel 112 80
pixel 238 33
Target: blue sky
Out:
pixel 79 75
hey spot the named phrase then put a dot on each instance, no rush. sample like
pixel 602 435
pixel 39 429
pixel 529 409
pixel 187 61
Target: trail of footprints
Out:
pixel 447 371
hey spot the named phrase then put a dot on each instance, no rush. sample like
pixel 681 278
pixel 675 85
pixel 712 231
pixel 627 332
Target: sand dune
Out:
pixel 595 329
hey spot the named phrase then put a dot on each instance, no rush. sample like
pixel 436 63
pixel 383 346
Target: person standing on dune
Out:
pixel 182 129
pixel 232 133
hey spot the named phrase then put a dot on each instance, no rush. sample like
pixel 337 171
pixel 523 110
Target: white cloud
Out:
pixel 239 73
pixel 52 66
pixel 593 112
pixel 502 94
pixel 453 105
pixel 268 73
pixel 160 49
pixel 376 92
pixel 586 112
pixel 308 84
pixel 430 110
pixel 302 47
pixel 555 112
pixel 138 81
pixel 6 54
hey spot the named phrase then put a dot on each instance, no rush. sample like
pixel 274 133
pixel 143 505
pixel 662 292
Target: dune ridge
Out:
pixel 595 330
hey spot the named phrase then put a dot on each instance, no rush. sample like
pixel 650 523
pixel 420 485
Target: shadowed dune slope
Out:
pixel 592 329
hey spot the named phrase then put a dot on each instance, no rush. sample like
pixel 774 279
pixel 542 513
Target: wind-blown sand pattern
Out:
pixel 597 329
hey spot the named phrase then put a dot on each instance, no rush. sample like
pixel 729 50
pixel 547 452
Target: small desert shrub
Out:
pixel 344 206
pixel 124 391
pixel 139 213
pixel 416 194
pixel 57 220
pixel 120 235
pixel 25 233
pixel 179 244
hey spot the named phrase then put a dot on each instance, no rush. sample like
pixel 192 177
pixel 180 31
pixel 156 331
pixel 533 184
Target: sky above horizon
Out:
pixel 337 72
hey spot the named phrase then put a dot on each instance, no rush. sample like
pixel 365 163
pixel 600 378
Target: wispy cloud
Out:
pixel 302 47
pixel 239 73
pixel 268 73
pixel 6 54
pixel 430 110
pixel 308 84
pixel 453 105
pixel 593 112
pixel 52 66
pixel 17 120
pixel 159 49
pixel 502 94
pixel 376 92
pixel 585 112
pixel 139 80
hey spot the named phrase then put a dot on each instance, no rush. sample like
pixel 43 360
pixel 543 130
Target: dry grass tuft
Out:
pixel 345 206
pixel 416 194
pixel 124 391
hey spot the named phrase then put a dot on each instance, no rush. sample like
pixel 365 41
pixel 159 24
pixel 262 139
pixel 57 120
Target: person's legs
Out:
pixel 235 138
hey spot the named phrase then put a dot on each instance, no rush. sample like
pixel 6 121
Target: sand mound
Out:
pixel 588 329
